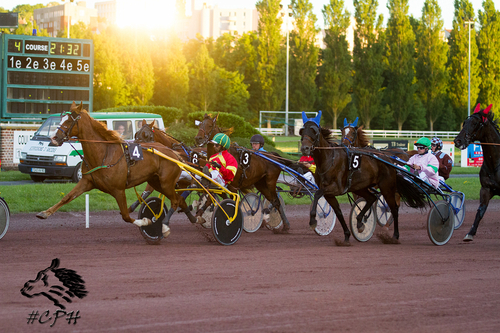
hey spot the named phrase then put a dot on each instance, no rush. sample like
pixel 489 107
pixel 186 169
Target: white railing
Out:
pixel 377 133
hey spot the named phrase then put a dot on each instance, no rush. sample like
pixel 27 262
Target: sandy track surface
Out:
pixel 298 282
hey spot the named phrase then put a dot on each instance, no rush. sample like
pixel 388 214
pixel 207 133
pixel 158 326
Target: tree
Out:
pixel 336 67
pixel 304 57
pixel 231 93
pixel 367 60
pixel 400 61
pixel 79 30
pixel 110 88
pixel 432 55
pixel 489 55
pixel 458 61
pixel 202 80
pixel 271 65
pixel 171 73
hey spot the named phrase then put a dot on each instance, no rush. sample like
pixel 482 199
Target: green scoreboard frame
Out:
pixel 41 76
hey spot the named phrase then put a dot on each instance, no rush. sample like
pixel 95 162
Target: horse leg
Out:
pixel 332 200
pixel 484 200
pixel 370 199
pixel 272 196
pixel 390 197
pixel 83 186
pixel 312 214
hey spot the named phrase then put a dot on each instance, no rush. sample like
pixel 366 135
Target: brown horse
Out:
pixel 258 172
pixel 339 170
pixel 481 126
pixel 107 165
pixel 151 133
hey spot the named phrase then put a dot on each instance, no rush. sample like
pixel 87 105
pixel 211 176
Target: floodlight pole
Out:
pixel 470 23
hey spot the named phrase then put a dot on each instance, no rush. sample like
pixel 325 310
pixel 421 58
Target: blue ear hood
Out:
pixel 355 123
pixel 315 120
pixel 345 122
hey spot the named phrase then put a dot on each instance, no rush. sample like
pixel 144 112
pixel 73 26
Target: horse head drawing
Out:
pixel 57 284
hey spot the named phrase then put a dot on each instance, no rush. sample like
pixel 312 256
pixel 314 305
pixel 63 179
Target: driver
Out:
pixel 424 163
pixel 445 161
pixel 257 142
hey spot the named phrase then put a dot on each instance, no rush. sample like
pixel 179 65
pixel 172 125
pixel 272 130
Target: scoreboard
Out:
pixel 41 76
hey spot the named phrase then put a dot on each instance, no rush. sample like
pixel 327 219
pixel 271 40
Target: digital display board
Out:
pixel 41 76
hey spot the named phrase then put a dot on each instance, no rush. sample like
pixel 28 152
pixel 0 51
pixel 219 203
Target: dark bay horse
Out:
pixel 151 133
pixel 340 170
pixel 259 173
pixel 481 126
pixel 107 167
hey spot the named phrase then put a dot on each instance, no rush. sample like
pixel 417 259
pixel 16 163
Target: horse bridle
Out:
pixel 73 123
pixel 353 139
pixel 206 137
pixel 315 135
pixel 470 135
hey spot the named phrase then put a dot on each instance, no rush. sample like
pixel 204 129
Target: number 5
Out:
pixel 355 161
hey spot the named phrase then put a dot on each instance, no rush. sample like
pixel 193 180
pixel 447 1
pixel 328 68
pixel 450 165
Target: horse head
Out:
pixel 146 133
pixel 67 128
pixel 57 284
pixel 206 130
pixel 350 133
pixel 472 127
pixel 309 134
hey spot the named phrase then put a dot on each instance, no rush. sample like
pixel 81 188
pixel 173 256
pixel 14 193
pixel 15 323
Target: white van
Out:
pixel 42 161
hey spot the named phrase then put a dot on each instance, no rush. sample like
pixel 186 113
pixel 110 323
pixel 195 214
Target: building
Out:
pixel 107 10
pixel 56 18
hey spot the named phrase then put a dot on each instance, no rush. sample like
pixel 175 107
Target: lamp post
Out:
pixel 470 23
pixel 287 13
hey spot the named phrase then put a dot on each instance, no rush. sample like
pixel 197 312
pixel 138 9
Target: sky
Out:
pixel 168 6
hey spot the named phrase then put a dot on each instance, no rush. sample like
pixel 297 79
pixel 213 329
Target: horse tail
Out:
pixel 411 195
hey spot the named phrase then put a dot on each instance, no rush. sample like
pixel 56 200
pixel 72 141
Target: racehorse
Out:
pixel 481 126
pixel 340 170
pixel 258 172
pixel 151 133
pixel 107 165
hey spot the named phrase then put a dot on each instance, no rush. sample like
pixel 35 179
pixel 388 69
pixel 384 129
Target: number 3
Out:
pixel 246 156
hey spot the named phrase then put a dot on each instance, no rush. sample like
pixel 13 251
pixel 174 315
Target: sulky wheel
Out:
pixel 382 212
pixel 4 217
pixel 325 218
pixel 251 212
pixel 275 220
pixel 226 233
pixel 368 221
pixel 153 233
pixel 440 223
pixel 456 199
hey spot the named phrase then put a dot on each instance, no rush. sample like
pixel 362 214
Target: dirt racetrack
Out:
pixel 299 282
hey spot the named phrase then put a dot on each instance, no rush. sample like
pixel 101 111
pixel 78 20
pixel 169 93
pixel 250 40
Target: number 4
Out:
pixel 136 152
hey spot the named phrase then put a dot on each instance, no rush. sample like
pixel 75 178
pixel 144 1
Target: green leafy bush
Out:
pixel 241 128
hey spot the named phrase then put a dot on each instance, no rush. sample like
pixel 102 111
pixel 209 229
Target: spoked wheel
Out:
pixel 275 221
pixel 153 233
pixel 226 233
pixel 4 217
pixel 368 221
pixel 251 212
pixel 382 212
pixel 441 223
pixel 325 218
pixel 456 199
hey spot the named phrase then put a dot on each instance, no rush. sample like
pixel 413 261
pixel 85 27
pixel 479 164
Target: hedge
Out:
pixel 241 128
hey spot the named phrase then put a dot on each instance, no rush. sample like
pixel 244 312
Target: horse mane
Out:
pixel 328 135
pixel 490 116
pixel 108 135
pixel 227 131
pixel 72 281
pixel 362 137
pixel 168 135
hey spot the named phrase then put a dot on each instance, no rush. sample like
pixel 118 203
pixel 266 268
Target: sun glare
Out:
pixel 147 14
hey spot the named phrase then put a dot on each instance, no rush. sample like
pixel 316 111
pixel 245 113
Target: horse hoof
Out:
pixel 144 222
pixel 165 230
pixel 42 215
pixel 468 238
pixel 313 226
pixel 200 220
pixel 361 229
pixel 342 243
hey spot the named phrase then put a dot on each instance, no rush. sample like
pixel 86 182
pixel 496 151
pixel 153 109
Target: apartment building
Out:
pixel 56 18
